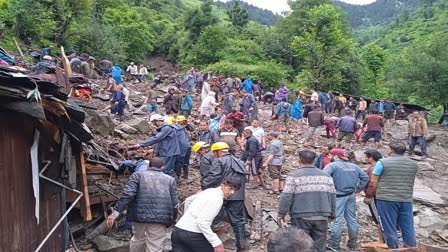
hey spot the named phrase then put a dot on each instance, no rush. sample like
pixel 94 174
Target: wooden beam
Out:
pixel 18 48
pixel 85 205
pixel 67 70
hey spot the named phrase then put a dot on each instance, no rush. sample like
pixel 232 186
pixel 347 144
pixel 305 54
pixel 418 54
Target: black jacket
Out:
pixel 204 165
pixel 252 149
pixel 222 168
pixel 154 197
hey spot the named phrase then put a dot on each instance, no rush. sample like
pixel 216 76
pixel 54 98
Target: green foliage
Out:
pixel 258 15
pixel 375 58
pixel 326 49
pixel 242 51
pixel 208 48
pixel 103 42
pixel 32 19
pixel 238 16
pixel 270 72
pixel 424 68
pixel 199 18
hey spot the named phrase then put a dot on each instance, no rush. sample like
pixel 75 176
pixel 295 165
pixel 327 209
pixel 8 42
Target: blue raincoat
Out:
pixel 297 110
pixel 116 72
pixel 248 85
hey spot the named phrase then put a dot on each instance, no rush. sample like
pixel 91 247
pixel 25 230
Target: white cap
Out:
pixel 156 117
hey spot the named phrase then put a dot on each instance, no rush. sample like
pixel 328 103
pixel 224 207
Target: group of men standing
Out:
pixel 330 196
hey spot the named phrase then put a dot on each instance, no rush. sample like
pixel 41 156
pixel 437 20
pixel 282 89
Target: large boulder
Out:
pixel 399 130
pixel 109 244
pixel 100 122
pixel 140 124
pixel 127 129
pixel 426 195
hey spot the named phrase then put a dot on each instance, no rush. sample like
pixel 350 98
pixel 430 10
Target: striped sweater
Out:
pixel 308 192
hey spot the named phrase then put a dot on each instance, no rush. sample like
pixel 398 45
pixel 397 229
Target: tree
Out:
pixel 197 19
pixel 325 49
pixel 208 48
pixel 32 20
pixel 375 58
pixel 422 71
pixel 238 16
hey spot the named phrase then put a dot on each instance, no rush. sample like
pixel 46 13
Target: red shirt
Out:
pixel 370 190
pixel 374 122
pixel 238 118
pixel 326 161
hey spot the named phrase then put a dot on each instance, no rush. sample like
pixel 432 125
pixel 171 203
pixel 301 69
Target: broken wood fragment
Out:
pixel 85 205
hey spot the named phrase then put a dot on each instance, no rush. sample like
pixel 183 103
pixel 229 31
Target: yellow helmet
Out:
pixel 170 120
pixel 197 146
pixel 181 118
pixel 220 146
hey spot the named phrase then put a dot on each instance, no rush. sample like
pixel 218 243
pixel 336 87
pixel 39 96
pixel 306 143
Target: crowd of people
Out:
pixel 235 153
pixel 233 150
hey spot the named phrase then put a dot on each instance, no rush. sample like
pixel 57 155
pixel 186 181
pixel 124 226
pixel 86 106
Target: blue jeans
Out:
pixel 345 209
pixel 393 215
pixel 152 107
pixel 169 164
pixel 420 140
pixel 182 163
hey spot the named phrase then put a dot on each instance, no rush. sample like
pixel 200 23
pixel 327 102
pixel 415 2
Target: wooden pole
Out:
pixel 85 206
pixel 18 48
pixel 67 70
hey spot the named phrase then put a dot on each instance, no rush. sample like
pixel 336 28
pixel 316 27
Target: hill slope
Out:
pixel 380 12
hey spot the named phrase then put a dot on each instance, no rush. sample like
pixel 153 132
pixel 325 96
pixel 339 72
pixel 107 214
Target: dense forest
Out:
pixel 401 54
pixel 378 12
pixel 262 16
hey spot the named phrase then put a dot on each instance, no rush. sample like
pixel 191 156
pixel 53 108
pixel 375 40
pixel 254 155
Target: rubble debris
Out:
pixel 109 244
pixel 426 195
pixel 141 125
pixel 126 129
pixel 100 122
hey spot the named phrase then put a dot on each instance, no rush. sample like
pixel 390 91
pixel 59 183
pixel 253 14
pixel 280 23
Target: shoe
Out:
pixel 334 249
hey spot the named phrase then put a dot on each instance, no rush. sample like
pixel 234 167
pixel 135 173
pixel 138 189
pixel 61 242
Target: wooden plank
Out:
pixel 68 70
pixel 85 206
pixel 18 48
pixel 431 248
pixel 373 245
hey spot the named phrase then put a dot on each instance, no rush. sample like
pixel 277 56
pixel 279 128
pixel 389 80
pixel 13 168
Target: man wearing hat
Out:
pixel 44 66
pixel 224 166
pixel 206 157
pixel 133 71
pixel 183 160
pixel 165 141
pixel 348 179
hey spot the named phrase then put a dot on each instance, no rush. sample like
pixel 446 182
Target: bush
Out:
pixel 270 72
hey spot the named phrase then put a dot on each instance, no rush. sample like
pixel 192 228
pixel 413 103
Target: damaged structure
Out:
pixel 41 163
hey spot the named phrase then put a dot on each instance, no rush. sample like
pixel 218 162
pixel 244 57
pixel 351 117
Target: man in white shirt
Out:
pixel 315 97
pixel 193 232
pixel 133 70
pixel 257 132
pixel 142 72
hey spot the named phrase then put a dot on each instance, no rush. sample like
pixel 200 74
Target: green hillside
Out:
pixel 404 57
pixel 415 63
